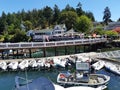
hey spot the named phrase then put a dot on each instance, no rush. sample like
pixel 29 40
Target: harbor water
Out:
pixel 7 79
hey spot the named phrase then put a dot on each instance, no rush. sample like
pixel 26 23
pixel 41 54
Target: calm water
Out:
pixel 7 79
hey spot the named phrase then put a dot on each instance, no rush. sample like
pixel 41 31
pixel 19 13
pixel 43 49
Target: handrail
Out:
pixel 50 44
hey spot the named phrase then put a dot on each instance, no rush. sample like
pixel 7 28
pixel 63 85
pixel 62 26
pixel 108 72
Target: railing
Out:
pixel 50 44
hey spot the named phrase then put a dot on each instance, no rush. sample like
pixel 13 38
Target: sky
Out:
pixel 95 6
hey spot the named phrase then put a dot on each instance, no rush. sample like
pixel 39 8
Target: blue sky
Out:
pixel 95 6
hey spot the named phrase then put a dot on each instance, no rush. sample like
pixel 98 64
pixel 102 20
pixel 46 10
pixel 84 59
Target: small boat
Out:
pixel 98 65
pixel 59 62
pixel 82 77
pixel 3 65
pixel 13 65
pixel 32 63
pixel 23 64
pixel 42 83
pixel 93 80
pixel 113 68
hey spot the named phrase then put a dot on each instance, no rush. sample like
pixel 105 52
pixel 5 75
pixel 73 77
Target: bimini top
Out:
pixel 41 83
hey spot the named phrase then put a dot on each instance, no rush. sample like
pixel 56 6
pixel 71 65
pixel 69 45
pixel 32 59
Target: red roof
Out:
pixel 117 29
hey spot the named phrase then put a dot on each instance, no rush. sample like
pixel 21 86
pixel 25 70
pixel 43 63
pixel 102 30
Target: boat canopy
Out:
pixel 82 66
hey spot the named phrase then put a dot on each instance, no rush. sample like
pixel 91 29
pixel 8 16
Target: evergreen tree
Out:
pixel 56 13
pixel 90 15
pixel 48 13
pixel 79 9
pixel 69 8
pixel 107 15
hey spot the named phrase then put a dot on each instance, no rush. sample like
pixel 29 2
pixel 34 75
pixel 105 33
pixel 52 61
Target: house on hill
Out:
pixel 41 35
pixel 59 30
pixel 112 25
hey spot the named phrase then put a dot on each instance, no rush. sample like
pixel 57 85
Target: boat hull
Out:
pixel 100 81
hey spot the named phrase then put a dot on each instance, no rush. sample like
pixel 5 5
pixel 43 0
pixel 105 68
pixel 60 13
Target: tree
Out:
pixel 19 36
pixel 83 24
pixel 79 9
pixel 111 33
pixel 48 13
pixel 118 20
pixel 68 8
pixel 107 15
pixel 28 25
pixel 69 18
pixel 6 36
pixel 56 13
pixel 90 15
pixel 3 23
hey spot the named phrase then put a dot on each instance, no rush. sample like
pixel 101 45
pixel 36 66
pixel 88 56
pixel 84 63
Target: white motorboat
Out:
pixel 32 63
pixel 43 83
pixel 3 65
pixel 113 67
pixel 13 65
pixel 59 62
pixel 98 65
pixel 23 64
pixel 40 63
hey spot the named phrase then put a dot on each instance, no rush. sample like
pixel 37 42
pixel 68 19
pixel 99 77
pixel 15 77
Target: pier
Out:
pixel 28 47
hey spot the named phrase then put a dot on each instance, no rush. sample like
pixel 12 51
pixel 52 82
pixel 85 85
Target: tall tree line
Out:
pixel 41 18
pixel 13 25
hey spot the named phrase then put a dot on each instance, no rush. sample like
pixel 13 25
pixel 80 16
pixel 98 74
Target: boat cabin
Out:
pixel 82 71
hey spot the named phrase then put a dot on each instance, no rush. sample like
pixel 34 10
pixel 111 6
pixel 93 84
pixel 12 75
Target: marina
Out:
pixel 9 78
pixel 59 45
pixel 29 68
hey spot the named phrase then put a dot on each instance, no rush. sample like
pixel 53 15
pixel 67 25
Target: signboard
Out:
pixel 82 66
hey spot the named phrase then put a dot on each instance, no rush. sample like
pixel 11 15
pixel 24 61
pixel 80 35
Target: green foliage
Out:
pixel 19 36
pixel 56 13
pixel 90 15
pixel 83 24
pixel 111 33
pixel 69 18
pixel 69 8
pixel 11 29
pixel 40 19
pixel 28 25
pixel 79 10
pixel 99 31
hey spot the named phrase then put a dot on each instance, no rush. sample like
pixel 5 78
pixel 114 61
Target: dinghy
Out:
pixel 13 65
pixel 98 65
pixel 23 64
pixel 3 65
pixel 114 68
